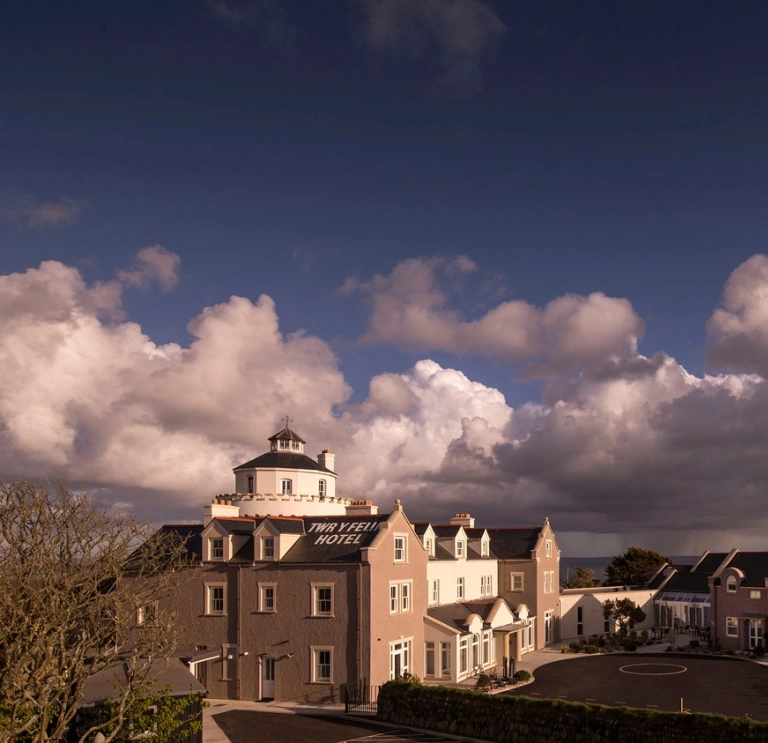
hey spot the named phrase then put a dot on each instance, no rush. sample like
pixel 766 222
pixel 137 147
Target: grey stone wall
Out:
pixel 507 719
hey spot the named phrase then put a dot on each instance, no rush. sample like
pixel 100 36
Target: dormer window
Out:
pixel 267 548
pixel 484 548
pixel 730 584
pixel 428 545
pixel 217 548
pixel 286 487
pixel 460 548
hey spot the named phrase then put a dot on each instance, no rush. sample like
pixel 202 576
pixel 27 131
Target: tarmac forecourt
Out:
pixel 724 686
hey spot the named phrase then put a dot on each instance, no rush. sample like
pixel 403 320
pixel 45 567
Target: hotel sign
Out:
pixel 344 532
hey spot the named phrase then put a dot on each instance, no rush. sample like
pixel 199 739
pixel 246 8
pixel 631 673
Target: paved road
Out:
pixel 246 726
pixel 722 685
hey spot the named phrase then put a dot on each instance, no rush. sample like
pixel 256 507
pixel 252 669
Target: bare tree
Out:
pixel 79 593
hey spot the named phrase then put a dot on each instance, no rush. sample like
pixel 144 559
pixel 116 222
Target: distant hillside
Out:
pixel 598 564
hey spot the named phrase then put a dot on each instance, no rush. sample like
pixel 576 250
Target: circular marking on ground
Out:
pixel 653 669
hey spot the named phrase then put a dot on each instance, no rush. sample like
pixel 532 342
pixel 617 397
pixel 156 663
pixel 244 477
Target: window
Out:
pixel 445 658
pixel 459 588
pixel 475 651
pixel 267 597
pixel 322 600
pixel 296 445
pixel 250 483
pixel 460 548
pixel 428 545
pixel 549 581
pixel 429 659
pixel 579 620
pixel 730 584
pixel 463 655
pixel 732 626
pixel 515 581
pixel 435 597
pixel 267 548
pixel 399 659
pixel 284 444
pixel 286 487
pixel 606 625
pixel 321 488
pixel 400 597
pixel 487 648
pixel 482 585
pixel 217 548
pixel 484 548
pixel 401 553
pixel 548 548
pixel 754 594
pixel 394 598
pixel 322 665
pixel 215 598
pixel 147 615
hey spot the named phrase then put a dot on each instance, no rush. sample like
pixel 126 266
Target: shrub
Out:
pixel 629 645
pixel 522 676
pixel 591 650
pixel 483 681
pixel 575 647
pixel 644 635
pixel 694 644
pixel 601 642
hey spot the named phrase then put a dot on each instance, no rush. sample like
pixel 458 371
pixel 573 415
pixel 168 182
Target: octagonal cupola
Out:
pixel 286 442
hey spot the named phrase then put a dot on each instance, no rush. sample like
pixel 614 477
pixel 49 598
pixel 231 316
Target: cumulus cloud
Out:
pixel 458 32
pixel 154 263
pixel 409 310
pixel 628 444
pixel 18 206
pixel 738 330
pixel 98 404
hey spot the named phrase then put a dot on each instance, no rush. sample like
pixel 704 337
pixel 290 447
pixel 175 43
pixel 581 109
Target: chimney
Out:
pixel 327 459
pixel 462 519
pixel 219 507
pixel 361 508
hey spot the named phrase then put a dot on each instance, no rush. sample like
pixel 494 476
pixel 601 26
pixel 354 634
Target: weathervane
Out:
pixel 288 421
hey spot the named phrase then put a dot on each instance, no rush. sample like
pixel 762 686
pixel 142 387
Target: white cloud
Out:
pixel 18 206
pixel 154 263
pixel 409 310
pixel 458 32
pixel 739 329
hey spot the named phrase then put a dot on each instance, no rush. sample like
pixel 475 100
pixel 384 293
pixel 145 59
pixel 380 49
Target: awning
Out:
pixel 204 657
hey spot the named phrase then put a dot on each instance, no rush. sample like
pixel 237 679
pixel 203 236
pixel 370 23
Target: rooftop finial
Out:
pixel 287 421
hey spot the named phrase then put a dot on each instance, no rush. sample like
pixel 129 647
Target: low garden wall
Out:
pixel 513 719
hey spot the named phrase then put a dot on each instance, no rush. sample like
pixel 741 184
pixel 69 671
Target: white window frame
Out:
pixel 147 618
pixel 263 607
pixel 284 444
pixel 406 645
pixel 512 580
pixel 400 548
pixel 265 543
pixel 430 651
pixel 460 588
pixel 548 548
pixel 428 545
pixel 484 551
pixel 322 488
pixel 754 594
pixel 316 588
pixel 249 483
pixel 459 548
pixel 400 597
pixel 731 626
pixel 489 585
pixel 286 486
pixel 435 592
pixel 295 445
pixel 318 677
pixel 394 598
pixel 209 599
pixel 483 585
pixel 463 655
pixel 215 544
pixel 445 659
pixel 731 584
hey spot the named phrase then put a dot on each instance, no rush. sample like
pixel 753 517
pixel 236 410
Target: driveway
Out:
pixel 246 726
pixel 724 686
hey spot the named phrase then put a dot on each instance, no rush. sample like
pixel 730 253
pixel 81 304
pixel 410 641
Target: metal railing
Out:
pixel 360 697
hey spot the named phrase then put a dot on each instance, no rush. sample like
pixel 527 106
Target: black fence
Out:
pixel 360 697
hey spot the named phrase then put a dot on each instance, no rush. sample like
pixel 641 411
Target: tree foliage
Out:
pixel 583 578
pixel 635 567
pixel 621 612
pixel 74 589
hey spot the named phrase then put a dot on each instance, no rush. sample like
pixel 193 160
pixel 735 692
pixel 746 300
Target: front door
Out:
pixel 399 660
pixel 268 678
pixel 755 632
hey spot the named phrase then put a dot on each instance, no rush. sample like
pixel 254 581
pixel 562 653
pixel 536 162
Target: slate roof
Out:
pixel 475 532
pixel 442 554
pixel 286 434
pixel 284 460
pixel 285 524
pixel 711 562
pixel 513 543
pixel 754 565
pixel 236 524
pixel 312 548
pixel 687 583
pixel 456 615
pixel 446 531
pixel 420 527
pixel 245 553
pixel 190 534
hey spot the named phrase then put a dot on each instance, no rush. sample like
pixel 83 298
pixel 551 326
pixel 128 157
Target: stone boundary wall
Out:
pixel 511 719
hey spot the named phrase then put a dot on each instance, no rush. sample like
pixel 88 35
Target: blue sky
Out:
pixel 293 148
